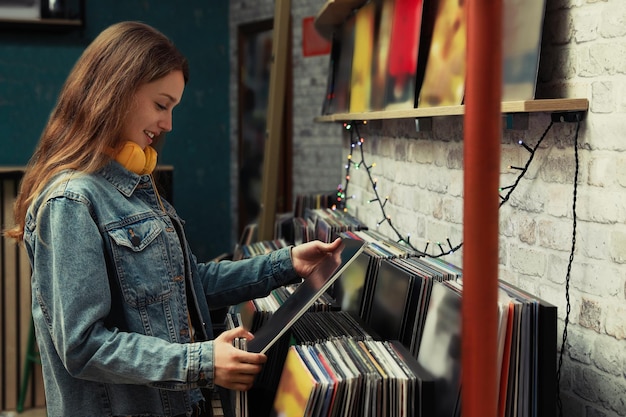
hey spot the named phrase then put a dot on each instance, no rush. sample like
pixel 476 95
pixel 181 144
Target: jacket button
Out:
pixel 178 278
pixel 184 332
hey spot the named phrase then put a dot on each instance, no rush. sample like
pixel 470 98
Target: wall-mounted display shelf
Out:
pixel 558 105
pixel 60 17
pixel 42 24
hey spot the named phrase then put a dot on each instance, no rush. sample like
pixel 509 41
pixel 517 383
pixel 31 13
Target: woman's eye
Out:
pixel 161 107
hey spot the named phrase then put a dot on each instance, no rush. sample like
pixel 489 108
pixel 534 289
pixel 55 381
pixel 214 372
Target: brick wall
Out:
pixel 316 146
pixel 583 55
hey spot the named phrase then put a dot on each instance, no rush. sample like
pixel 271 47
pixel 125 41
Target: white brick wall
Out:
pixel 583 55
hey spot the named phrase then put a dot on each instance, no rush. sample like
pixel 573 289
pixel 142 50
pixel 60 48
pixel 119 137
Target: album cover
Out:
pixel 522 26
pixel 349 289
pixel 440 348
pixel 304 296
pixel 403 54
pixel 328 104
pixel 390 301
pixel 343 78
pixel 444 77
pixel 380 55
pixel 297 389
pixel 361 80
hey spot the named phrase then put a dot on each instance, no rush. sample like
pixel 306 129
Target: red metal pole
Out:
pixel 480 209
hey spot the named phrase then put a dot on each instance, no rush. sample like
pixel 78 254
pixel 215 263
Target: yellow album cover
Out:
pixel 296 388
pixel 361 81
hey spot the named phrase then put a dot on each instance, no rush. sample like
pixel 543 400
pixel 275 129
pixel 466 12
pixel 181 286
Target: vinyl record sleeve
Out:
pixel 390 301
pixel 298 388
pixel 440 347
pixel 349 289
pixel 303 297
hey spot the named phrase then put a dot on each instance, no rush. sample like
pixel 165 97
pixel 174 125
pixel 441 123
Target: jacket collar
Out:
pixel 121 178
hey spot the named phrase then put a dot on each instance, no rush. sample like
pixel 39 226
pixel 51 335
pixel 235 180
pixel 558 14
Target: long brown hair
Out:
pixel 93 105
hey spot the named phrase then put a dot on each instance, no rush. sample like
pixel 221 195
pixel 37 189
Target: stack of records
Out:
pixel 346 377
pixel 349 290
pixel 385 247
pixel 260 396
pixel 284 227
pixel 303 230
pixel 314 201
pixel 389 288
pixel 400 296
pixel 325 225
pixel 440 346
pixel 322 326
pixel 271 318
pixel 527 354
pixel 253 315
pixel 343 364
pixel 237 401
pixel 257 248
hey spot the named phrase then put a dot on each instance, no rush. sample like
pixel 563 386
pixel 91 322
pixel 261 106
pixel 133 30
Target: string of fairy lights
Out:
pixel 356 160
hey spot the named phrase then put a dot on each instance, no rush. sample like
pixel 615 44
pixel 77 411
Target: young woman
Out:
pixel 119 302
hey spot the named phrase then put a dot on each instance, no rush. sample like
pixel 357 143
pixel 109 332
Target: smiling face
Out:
pixel 151 113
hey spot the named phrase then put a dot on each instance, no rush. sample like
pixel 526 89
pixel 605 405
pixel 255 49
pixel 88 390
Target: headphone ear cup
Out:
pixel 137 160
pixel 151 160
pixel 132 157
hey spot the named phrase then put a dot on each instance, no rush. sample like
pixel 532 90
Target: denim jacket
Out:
pixel 112 276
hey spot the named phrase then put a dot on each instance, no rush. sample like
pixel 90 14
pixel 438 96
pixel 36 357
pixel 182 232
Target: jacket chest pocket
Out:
pixel 141 261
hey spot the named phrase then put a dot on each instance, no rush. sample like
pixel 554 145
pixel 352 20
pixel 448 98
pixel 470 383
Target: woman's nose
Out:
pixel 165 123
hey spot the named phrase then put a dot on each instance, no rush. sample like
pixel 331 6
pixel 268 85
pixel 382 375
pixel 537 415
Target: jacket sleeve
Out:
pixel 231 282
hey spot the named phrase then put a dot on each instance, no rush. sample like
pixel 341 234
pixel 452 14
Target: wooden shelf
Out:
pixel 70 18
pixel 9 169
pixel 42 24
pixel 528 106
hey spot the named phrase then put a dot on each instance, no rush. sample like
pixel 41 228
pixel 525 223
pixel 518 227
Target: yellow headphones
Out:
pixel 137 160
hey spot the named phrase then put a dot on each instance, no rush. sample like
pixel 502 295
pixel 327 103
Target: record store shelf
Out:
pixel 558 107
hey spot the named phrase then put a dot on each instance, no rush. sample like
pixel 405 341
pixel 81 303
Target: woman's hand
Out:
pixel 307 256
pixel 235 368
